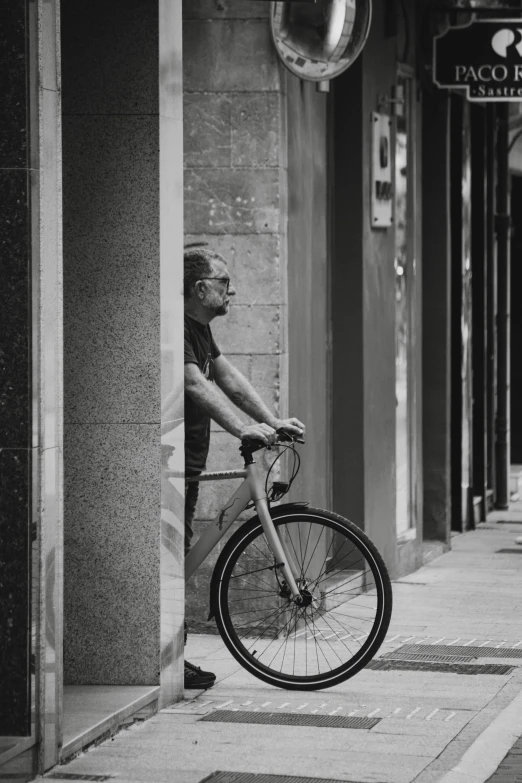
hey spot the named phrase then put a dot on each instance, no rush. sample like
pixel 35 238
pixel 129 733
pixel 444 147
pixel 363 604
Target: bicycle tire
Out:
pixel 245 642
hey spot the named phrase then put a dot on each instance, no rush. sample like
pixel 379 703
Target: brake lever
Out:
pixel 286 438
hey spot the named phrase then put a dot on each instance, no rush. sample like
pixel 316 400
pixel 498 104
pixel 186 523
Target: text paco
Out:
pixel 469 74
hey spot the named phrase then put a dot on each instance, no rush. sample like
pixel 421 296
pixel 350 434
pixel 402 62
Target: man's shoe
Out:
pixel 196 678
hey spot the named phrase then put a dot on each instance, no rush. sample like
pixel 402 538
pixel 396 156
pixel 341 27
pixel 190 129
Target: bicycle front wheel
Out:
pixel 345 609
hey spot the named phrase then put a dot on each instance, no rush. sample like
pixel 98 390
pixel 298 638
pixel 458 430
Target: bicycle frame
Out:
pixel 252 488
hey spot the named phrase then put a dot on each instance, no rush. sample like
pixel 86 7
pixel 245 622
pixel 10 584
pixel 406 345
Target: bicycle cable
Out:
pixel 279 489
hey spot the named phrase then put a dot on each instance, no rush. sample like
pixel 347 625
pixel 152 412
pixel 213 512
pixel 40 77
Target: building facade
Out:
pixel 92 245
pixel 133 128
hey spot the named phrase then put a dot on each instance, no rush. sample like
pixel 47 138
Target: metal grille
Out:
pixel 71 776
pixel 400 655
pixel 453 649
pixel 444 668
pixel 509 551
pixel 508 521
pixel 254 777
pixel 290 719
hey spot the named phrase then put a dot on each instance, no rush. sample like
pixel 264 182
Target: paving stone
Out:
pixel 510 770
pixel 447 713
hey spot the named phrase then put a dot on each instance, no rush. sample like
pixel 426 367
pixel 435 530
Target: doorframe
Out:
pixel 407 72
pixel 460 125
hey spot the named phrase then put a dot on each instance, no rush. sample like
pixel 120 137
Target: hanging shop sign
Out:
pixel 381 172
pixel 483 58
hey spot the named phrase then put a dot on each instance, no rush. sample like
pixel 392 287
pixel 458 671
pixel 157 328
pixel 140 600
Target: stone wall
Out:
pixel 234 200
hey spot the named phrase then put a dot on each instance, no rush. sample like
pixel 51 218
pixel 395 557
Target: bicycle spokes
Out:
pixel 336 618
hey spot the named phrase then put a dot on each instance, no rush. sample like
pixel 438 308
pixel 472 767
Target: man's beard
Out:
pixel 222 309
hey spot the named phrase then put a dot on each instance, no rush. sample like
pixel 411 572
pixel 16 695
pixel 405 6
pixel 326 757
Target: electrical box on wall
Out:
pixel 381 213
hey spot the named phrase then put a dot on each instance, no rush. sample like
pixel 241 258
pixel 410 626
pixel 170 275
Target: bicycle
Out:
pixel 301 596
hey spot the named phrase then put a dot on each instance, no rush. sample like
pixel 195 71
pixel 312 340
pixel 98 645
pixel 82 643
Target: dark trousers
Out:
pixel 191 498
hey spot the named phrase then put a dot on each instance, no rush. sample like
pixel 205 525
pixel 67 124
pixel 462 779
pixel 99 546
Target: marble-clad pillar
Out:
pixel 30 382
pixel 15 368
pixel 123 312
pixel 48 372
pixel 171 296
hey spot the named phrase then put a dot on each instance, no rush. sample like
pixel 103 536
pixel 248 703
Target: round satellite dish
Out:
pixel 318 41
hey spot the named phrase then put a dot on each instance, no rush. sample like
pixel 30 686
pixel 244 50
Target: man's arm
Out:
pixel 242 394
pixel 205 395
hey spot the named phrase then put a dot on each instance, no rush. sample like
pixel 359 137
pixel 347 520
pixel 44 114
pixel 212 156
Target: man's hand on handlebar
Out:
pixel 291 426
pixel 262 432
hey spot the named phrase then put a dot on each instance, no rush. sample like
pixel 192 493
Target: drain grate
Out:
pixel 508 521
pixel 399 655
pixel 256 777
pixel 509 551
pixel 71 776
pixel 452 649
pixel 443 668
pixel 291 719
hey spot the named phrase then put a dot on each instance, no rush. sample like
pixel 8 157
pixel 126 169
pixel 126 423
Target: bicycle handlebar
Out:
pixel 284 437
pixel 253 444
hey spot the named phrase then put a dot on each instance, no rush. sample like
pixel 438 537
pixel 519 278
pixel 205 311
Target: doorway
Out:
pixel 461 359
pixel 516 322
pixel 405 305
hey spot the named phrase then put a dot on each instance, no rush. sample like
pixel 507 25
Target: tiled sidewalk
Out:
pixel 428 720
pixel 510 769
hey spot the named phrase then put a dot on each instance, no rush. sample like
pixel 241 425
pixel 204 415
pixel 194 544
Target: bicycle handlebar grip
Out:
pixel 285 436
pixel 253 443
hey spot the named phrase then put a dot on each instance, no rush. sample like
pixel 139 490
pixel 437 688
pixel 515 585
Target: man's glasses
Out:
pixel 221 279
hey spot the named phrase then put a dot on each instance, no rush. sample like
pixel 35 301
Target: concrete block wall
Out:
pixel 234 200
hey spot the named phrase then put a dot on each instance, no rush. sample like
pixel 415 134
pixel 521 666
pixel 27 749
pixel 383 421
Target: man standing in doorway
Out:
pixel 207 294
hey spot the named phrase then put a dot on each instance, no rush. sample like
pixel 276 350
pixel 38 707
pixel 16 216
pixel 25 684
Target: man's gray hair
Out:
pixel 197 263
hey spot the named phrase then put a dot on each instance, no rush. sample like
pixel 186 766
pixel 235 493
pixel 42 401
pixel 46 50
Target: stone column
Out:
pixel 30 393
pixel 436 347
pixel 16 439
pixel 122 276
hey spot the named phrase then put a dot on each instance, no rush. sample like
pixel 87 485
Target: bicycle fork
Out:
pixel 282 555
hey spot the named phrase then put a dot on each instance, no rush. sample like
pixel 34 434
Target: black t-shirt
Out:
pixel 200 349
